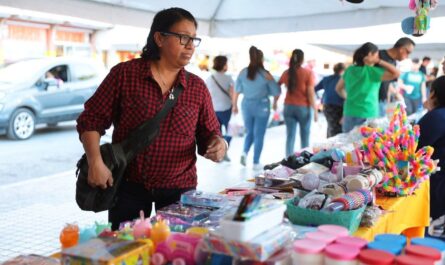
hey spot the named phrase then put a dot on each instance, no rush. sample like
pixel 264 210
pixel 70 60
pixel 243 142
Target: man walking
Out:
pixel 400 51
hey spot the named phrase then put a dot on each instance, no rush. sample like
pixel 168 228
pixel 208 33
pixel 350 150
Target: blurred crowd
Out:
pixel 368 88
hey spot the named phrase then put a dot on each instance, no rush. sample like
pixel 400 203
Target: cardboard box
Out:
pixel 107 251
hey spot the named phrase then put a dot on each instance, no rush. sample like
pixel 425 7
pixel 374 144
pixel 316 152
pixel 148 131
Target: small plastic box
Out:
pixel 185 213
pixel 248 229
pixel 203 199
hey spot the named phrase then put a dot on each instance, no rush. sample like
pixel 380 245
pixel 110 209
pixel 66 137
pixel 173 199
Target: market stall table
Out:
pixel 407 215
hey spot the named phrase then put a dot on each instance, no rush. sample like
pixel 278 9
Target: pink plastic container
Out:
pixel 424 252
pixel 339 254
pixel 352 241
pixel 307 251
pixel 412 260
pixel 336 230
pixel 321 236
pixel 375 257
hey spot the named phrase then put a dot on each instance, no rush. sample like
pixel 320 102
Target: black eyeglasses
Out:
pixel 184 39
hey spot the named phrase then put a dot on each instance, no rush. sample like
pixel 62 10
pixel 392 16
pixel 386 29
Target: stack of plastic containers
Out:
pixel 307 251
pixel 375 257
pixel 432 243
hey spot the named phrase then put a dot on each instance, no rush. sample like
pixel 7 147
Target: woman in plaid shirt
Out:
pixel 134 92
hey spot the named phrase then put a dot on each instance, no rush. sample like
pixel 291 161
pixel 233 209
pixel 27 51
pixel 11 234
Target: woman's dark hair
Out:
pixel 162 22
pixel 438 88
pixel 338 68
pixel 219 62
pixel 362 52
pixel 295 62
pixel 256 62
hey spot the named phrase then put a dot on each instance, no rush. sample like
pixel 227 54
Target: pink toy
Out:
pixel 142 227
pixel 179 247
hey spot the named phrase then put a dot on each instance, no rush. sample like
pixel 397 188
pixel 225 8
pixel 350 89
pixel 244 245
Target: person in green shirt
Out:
pixel 360 85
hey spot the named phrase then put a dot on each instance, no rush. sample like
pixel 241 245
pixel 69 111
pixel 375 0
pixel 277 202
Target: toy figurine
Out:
pixel 160 232
pixel 69 236
pixel 142 227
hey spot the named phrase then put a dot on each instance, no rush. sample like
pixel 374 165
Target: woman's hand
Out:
pixel 216 149
pixel 99 175
pixel 315 116
pixel 235 109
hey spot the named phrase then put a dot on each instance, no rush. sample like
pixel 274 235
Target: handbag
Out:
pixel 116 157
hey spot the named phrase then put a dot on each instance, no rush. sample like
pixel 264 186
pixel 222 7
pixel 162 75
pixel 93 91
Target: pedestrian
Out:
pixel 257 85
pixel 332 102
pixel 299 103
pixel 134 92
pixel 360 85
pixel 414 85
pixel 425 62
pixel 221 88
pixel 432 133
pixel 399 52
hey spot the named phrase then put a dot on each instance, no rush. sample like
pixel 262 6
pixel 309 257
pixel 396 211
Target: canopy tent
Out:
pixel 234 18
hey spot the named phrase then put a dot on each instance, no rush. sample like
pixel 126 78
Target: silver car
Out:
pixel 47 90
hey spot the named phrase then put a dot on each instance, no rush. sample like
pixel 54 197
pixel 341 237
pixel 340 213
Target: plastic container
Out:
pixel 339 254
pixel 400 239
pixel 186 213
pixel 412 260
pixel 375 257
pixel 302 216
pixel 307 251
pixel 424 252
pixel 391 247
pixel 336 230
pixel 203 199
pixel 352 241
pixel 431 242
pixel 248 229
pixel 321 236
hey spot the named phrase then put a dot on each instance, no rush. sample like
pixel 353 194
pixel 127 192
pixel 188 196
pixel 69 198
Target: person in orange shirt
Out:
pixel 299 103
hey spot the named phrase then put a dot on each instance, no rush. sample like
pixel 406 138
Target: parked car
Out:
pixel 47 90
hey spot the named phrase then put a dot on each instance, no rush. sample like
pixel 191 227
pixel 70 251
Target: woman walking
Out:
pixel 299 102
pixel 256 84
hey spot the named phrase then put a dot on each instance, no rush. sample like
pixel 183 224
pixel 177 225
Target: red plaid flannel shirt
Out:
pixel 128 96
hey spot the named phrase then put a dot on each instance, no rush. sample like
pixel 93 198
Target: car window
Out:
pixel 83 72
pixel 60 72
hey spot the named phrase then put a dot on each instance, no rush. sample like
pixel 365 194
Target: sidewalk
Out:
pixel 33 212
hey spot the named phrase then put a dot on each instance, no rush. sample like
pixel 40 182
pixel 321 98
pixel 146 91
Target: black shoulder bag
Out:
pixel 116 157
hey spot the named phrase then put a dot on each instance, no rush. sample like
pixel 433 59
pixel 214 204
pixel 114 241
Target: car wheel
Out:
pixel 21 124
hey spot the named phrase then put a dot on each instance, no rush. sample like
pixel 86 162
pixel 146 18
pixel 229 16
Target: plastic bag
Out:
pixel 236 126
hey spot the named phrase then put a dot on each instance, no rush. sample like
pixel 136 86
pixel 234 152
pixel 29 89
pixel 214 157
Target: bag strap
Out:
pixel 145 133
pixel 221 88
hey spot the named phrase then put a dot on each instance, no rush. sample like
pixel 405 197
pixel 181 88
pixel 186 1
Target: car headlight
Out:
pixel 2 95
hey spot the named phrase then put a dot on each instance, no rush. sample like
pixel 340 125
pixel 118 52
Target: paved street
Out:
pixel 34 207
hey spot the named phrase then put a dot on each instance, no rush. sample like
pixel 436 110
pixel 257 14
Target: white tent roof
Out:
pixel 233 18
